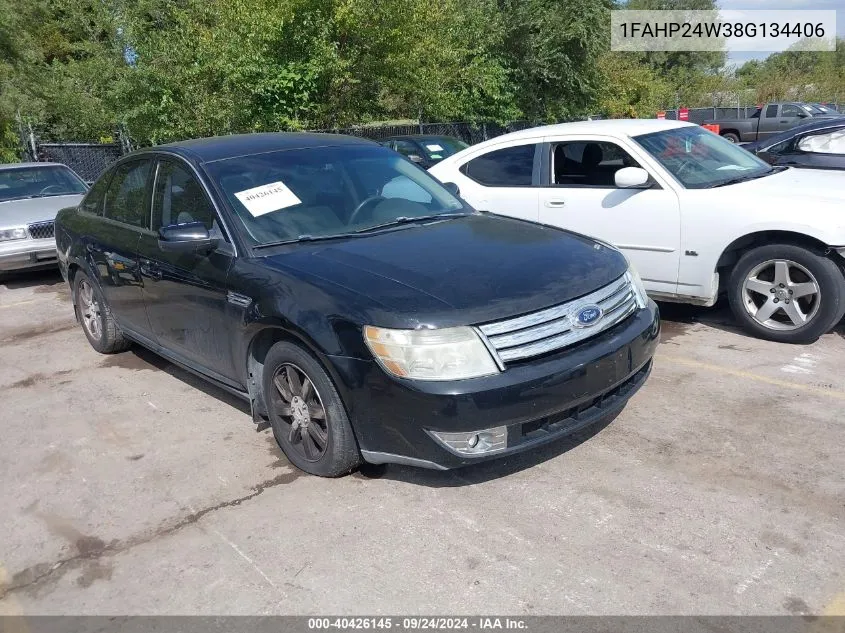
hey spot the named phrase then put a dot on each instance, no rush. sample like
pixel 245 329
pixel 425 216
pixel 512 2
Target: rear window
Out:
pixel 38 182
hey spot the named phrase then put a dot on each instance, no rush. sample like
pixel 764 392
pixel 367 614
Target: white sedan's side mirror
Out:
pixel 631 178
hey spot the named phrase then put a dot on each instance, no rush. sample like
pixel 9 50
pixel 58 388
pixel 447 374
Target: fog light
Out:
pixel 481 442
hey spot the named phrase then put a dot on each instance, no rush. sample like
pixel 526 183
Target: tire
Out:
pixel 313 432
pixel 730 136
pixel 96 318
pixel 787 293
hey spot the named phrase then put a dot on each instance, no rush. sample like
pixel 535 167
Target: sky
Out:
pixel 838 5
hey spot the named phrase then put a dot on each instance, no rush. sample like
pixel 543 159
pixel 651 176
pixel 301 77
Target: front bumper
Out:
pixel 28 253
pixel 537 401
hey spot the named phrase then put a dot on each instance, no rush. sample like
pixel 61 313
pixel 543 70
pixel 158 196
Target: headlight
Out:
pixel 13 234
pixel 637 284
pixel 437 354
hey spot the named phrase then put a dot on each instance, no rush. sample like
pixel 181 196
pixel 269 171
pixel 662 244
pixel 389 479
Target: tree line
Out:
pixel 171 69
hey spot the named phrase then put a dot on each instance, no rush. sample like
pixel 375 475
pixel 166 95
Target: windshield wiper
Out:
pixel 304 238
pixel 404 219
pixel 360 232
pixel 738 179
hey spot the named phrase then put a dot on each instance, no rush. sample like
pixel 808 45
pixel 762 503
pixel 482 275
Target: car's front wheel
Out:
pixel 787 293
pixel 306 413
pixel 96 318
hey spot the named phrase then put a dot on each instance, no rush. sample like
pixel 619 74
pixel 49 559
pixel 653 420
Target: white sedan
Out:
pixel 696 215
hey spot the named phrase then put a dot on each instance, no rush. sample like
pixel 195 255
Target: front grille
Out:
pixel 41 230
pixel 554 328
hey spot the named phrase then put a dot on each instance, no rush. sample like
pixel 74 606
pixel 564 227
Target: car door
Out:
pixel 578 192
pixel 113 245
pixel 770 121
pixel 500 179
pixel 185 294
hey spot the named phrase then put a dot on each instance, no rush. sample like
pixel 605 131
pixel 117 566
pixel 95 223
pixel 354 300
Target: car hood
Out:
pixel 22 212
pixel 795 184
pixel 460 271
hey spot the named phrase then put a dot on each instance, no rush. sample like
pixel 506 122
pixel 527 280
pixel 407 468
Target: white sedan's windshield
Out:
pixel 700 159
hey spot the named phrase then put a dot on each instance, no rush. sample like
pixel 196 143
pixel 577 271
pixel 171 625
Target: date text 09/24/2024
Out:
pixel 416 623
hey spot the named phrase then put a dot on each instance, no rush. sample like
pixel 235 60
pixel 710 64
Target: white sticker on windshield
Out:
pixel 267 198
pixel 434 148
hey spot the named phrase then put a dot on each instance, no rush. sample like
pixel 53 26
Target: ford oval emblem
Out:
pixel 587 316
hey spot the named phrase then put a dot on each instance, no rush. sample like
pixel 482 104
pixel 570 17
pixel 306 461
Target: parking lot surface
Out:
pixel 131 487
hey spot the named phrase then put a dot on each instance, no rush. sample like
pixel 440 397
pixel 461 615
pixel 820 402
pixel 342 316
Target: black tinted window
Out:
pixel 126 193
pixel 180 199
pixel 771 111
pixel 93 202
pixel 588 163
pixel 508 167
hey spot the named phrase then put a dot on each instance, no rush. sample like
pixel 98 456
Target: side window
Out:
pixel 180 199
pixel 93 201
pixel 826 143
pixel 507 167
pixel 588 163
pixel 771 111
pixel 790 110
pixel 126 194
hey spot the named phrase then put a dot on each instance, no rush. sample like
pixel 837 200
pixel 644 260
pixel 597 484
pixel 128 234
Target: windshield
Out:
pixel 700 159
pixel 441 146
pixel 326 192
pixel 36 182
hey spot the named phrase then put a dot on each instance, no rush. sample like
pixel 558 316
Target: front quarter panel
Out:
pixel 712 220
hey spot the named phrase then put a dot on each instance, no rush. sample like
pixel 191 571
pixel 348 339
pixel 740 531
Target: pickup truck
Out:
pixel 766 121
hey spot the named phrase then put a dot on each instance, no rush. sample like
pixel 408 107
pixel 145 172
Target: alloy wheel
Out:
pixel 781 294
pixel 299 405
pixel 89 309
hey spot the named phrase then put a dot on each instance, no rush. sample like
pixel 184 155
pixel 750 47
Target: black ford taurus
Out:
pixel 359 305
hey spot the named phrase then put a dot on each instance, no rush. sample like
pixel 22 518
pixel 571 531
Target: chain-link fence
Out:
pixel 89 160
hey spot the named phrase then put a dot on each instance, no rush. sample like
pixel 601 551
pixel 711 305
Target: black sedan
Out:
pixel 357 304
pixel 814 145
pixel 424 150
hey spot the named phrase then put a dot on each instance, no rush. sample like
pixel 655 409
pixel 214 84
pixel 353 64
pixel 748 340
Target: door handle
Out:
pixel 555 202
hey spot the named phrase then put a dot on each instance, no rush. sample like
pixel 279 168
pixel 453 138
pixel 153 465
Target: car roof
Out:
pixel 625 127
pixel 221 147
pixel 25 165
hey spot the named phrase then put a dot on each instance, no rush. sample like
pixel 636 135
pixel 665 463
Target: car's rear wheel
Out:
pixel 306 413
pixel 96 318
pixel 787 293
pixel 730 136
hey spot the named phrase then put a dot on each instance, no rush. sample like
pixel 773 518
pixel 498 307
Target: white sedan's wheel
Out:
pixel 781 294
pixel 787 293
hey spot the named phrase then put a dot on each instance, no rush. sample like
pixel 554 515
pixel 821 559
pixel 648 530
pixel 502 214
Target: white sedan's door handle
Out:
pixel 555 202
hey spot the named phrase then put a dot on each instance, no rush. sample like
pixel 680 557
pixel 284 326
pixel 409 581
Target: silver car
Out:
pixel 30 196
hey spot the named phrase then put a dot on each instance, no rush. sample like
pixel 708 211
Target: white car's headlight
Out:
pixel 18 233
pixel 637 284
pixel 436 354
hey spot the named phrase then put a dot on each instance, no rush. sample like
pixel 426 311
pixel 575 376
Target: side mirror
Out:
pixel 186 238
pixel 415 158
pixel 631 178
pixel 452 188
